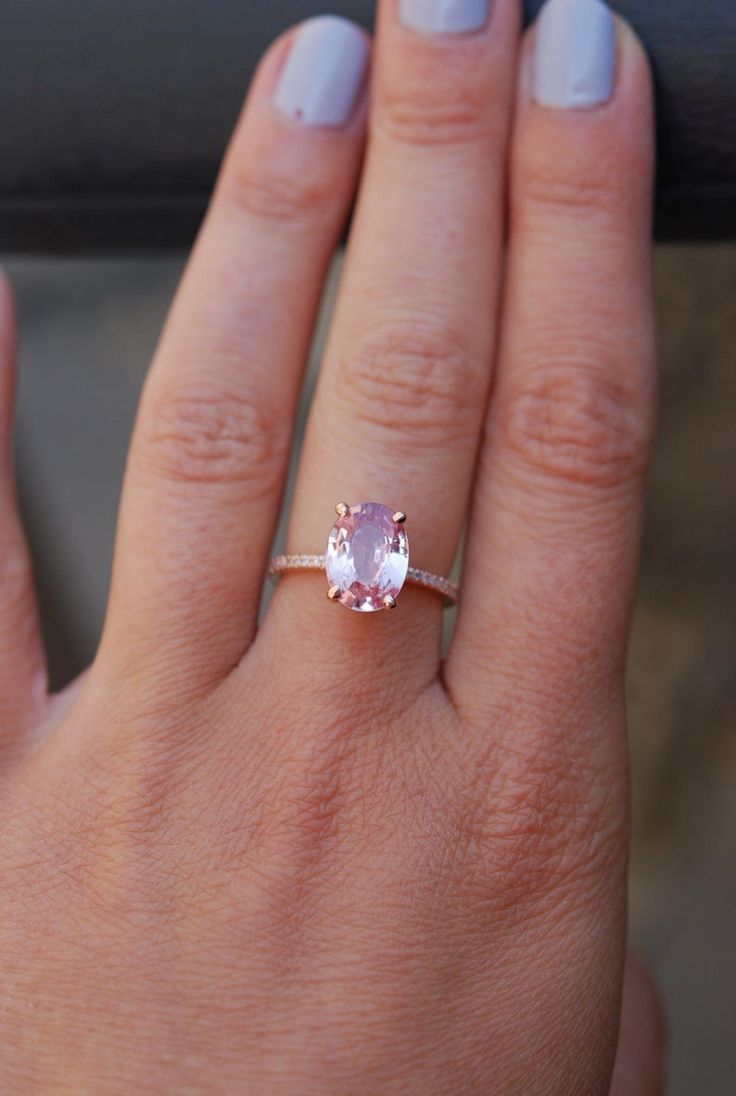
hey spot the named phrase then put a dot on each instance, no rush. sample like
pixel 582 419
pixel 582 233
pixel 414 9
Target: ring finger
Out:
pixel 399 405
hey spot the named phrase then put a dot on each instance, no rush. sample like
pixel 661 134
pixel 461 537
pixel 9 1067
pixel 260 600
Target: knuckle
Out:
pixel 576 423
pixel 552 186
pixel 412 383
pixel 449 109
pixel 200 435
pixel 298 197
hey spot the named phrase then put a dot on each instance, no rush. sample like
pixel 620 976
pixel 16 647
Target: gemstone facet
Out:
pixel 367 557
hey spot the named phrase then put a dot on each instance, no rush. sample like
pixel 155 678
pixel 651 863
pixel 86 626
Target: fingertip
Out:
pixel 584 132
pixel 316 75
pixel 634 92
pixel 581 61
pixel 271 63
pixel 302 70
pixel 305 116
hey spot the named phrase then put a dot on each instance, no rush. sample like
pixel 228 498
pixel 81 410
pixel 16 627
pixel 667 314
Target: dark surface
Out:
pixel 115 115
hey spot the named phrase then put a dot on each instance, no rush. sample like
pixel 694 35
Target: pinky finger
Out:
pixel 22 662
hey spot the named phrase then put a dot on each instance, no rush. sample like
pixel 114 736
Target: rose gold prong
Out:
pixel 389 602
pixel 342 509
pixel 333 593
pixel 399 517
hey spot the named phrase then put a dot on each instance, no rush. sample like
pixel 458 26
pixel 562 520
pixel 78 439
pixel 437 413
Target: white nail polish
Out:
pixel 575 54
pixel 444 16
pixel 324 72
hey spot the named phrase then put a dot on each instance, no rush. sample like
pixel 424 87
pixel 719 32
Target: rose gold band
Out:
pixel 281 564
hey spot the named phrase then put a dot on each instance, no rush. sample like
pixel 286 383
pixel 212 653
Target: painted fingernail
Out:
pixel 575 54
pixel 324 72
pixel 444 16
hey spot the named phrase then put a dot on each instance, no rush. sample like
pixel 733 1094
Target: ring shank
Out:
pixel 280 565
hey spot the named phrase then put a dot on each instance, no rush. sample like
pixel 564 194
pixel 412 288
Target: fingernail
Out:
pixel 324 72
pixel 575 54
pixel 444 16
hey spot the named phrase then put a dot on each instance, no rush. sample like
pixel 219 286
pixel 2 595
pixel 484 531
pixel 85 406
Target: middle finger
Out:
pixel 399 406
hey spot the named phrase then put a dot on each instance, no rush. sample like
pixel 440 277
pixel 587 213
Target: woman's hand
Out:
pixel 311 858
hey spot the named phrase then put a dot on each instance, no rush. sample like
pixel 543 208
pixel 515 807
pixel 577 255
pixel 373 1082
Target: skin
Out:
pixel 307 857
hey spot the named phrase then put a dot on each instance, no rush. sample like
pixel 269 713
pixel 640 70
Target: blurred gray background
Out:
pixel 87 332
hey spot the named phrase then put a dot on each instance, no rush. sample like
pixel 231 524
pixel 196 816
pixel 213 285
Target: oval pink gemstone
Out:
pixel 367 557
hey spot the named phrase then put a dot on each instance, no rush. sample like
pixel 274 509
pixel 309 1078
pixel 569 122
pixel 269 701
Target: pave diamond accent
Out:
pixel 281 565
